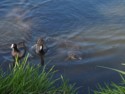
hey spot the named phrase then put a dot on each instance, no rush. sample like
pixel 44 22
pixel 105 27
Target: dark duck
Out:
pixel 16 53
pixel 39 49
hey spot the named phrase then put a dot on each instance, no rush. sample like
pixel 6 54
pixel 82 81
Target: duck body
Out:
pixel 16 53
pixel 40 52
pixel 39 49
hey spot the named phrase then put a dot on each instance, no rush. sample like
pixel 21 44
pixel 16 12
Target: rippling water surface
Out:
pixel 81 35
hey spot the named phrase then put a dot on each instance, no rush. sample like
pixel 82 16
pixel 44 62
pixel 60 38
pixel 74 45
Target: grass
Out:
pixel 113 88
pixel 27 79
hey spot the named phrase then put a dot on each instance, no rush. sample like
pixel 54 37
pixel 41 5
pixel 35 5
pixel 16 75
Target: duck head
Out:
pixel 40 41
pixel 13 45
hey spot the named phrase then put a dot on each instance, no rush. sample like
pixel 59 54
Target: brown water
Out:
pixel 81 35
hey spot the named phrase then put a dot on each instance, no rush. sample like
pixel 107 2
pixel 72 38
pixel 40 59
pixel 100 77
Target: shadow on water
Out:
pixel 81 35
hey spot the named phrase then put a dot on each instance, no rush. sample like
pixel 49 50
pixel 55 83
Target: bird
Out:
pixel 39 49
pixel 16 53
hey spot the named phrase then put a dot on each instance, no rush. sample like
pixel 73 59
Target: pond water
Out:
pixel 80 34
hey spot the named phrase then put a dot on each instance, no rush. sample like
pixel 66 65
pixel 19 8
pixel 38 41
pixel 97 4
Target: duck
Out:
pixel 39 49
pixel 16 53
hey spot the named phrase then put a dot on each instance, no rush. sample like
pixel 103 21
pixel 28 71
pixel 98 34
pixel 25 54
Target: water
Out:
pixel 92 31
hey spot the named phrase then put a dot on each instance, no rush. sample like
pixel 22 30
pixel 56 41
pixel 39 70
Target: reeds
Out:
pixel 27 79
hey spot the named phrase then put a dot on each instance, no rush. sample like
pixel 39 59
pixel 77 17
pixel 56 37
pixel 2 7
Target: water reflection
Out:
pixel 80 34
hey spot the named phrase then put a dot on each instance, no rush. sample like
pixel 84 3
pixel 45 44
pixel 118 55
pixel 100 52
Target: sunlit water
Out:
pixel 93 31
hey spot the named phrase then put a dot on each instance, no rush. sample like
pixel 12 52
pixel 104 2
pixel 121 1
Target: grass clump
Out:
pixel 113 88
pixel 27 79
